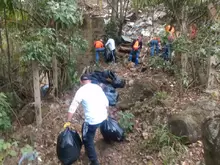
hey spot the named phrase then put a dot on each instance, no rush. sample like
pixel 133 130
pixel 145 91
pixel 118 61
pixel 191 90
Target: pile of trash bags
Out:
pixel 69 145
pixel 109 82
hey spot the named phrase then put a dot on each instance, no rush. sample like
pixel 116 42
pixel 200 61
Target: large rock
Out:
pixel 139 92
pixel 188 123
pixel 211 140
pixel 126 39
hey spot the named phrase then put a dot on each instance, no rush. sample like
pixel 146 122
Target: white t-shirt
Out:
pixel 111 44
pixel 94 102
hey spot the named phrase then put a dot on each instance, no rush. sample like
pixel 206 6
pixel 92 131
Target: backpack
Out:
pixel 136 45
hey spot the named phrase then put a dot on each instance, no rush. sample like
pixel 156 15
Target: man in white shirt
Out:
pixel 111 44
pixel 95 104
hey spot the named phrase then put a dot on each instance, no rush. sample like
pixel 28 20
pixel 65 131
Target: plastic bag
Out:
pixel 69 146
pixel 108 56
pixel 116 82
pixel 107 77
pixel 111 131
pixel 111 94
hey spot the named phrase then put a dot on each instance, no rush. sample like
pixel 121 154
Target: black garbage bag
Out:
pixel 69 146
pixel 116 81
pixel 111 94
pixel 107 77
pixel 108 56
pixel 98 77
pixel 111 131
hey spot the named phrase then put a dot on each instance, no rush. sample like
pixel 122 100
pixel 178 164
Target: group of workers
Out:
pixel 110 44
pixel 101 48
pixel 156 44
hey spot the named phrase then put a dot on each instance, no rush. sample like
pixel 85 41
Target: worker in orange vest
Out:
pixel 136 49
pixel 170 34
pixel 99 47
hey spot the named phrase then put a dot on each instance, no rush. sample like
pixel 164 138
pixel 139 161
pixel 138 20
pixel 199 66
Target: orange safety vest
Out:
pixel 136 45
pixel 170 28
pixel 98 44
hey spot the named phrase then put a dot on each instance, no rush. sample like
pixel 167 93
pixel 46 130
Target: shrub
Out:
pixel 167 144
pixel 5 109
pixel 125 121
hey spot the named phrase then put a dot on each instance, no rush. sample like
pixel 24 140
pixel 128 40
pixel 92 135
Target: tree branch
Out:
pixel 113 7
pixel 35 19
pixel 194 19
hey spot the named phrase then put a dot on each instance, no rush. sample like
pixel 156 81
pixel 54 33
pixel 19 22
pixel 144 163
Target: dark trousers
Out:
pixel 113 55
pixel 167 51
pixel 88 141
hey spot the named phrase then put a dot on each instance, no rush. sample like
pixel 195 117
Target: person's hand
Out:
pixel 67 124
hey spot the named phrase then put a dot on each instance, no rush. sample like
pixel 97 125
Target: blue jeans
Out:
pixel 136 53
pixel 154 45
pixel 97 51
pixel 89 142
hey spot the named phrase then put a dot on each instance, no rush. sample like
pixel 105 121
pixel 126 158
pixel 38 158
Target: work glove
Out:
pixel 67 124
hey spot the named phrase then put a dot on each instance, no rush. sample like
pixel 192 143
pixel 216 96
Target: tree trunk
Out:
pixel 1 46
pixel 187 123
pixel 55 76
pixel 2 52
pixel 211 140
pixel 211 82
pixel 212 60
pixel 54 67
pixel 184 56
pixel 37 98
pixel 135 5
pixel 8 49
pixel 114 10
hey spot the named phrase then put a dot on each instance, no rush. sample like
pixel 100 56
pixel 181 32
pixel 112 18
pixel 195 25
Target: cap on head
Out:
pixel 85 77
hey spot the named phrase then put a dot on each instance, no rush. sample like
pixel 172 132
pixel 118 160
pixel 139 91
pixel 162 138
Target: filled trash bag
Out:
pixel 108 56
pixel 111 94
pixel 107 77
pixel 98 77
pixel 116 81
pixel 111 131
pixel 69 146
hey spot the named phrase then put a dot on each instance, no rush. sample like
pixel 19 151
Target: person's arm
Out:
pixel 107 43
pixel 74 105
pixel 132 44
pixel 140 45
pixel 106 100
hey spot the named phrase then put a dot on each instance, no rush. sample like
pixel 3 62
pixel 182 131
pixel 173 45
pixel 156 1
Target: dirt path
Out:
pixel 129 152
